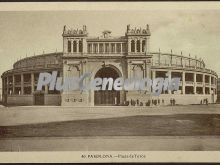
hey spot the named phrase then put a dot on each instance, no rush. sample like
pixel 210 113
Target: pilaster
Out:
pixel 135 45
pixel 203 84
pixel 22 84
pixel 183 82
pixel 147 44
pixel 7 84
pixel 46 89
pixel 71 46
pixel 169 78
pixel 84 43
pixel 129 45
pixel 77 46
pixel 32 83
pixel 210 83
pixel 13 84
pixel 141 45
pixel 194 82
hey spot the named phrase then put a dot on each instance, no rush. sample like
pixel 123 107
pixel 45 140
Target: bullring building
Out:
pixel 126 56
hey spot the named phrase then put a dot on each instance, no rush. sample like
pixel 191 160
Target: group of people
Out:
pixel 172 101
pixel 148 103
pixel 204 101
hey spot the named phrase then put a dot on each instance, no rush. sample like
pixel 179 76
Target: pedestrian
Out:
pixel 174 101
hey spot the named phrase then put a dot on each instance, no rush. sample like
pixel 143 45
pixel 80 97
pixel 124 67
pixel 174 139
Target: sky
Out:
pixel 191 31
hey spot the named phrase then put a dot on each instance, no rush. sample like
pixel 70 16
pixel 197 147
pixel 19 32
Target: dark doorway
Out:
pixel 107 97
pixel 39 98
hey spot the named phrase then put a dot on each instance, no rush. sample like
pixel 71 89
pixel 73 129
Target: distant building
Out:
pixel 126 56
pixel 218 89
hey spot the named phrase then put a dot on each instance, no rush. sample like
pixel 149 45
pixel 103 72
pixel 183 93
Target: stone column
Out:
pixel 153 74
pixel 32 83
pixel 13 84
pixel 169 78
pixel 98 47
pixel 141 45
pixel 159 56
pixel 129 45
pixel 181 61
pixel 135 45
pixel 203 84
pixel 65 45
pixel 103 47
pixel 171 60
pixel 91 47
pixel 148 44
pixel 210 84
pixel 194 82
pixel 183 82
pixel 84 44
pixel 77 46
pixel 147 70
pixel 71 46
pixel 22 84
pixel 46 89
pixel 7 85
pixel 115 45
pixel 121 48
pixel 129 70
pixel 83 70
pixel 3 86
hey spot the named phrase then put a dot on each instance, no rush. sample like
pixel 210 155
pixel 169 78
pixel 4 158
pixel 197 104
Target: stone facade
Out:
pixel 19 84
pixel 126 56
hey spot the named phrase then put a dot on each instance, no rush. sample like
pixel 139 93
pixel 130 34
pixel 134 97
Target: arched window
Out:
pixel 69 46
pixel 143 46
pixel 74 46
pixel 132 46
pixel 80 46
pixel 138 46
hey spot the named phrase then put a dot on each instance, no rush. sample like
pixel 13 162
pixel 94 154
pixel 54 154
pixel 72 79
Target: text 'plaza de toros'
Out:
pixel 127 56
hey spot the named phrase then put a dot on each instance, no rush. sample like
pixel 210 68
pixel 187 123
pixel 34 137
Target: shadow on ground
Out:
pixel 160 125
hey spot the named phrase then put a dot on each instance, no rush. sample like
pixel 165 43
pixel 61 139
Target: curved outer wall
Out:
pixel 19 84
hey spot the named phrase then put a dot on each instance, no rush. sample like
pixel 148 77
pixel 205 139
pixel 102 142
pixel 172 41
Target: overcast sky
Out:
pixel 192 31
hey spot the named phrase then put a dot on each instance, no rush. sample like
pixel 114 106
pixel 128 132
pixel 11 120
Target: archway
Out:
pixel 107 97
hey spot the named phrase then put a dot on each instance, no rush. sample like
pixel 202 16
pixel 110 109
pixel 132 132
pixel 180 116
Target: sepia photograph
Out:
pixel 112 79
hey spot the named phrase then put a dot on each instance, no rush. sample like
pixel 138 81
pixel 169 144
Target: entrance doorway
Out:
pixel 107 97
pixel 39 98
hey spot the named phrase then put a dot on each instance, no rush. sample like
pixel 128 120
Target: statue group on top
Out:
pixel 136 30
pixel 77 31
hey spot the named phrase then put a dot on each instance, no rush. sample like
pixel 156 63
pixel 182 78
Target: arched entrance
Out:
pixel 107 97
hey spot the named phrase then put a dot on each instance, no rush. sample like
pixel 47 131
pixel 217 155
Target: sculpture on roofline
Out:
pixel 84 28
pixel 128 28
pixel 64 29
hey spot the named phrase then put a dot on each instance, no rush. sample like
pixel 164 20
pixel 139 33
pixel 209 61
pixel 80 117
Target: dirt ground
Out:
pixel 183 128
